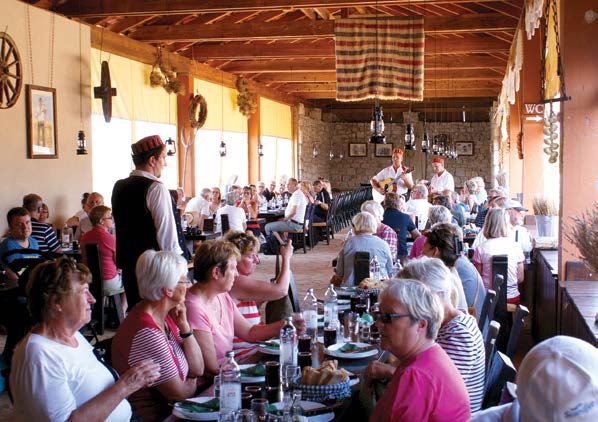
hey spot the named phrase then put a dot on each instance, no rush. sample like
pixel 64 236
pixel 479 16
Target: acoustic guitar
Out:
pixel 389 184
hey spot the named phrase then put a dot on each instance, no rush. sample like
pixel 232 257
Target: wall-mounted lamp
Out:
pixel 222 149
pixel 81 143
pixel 170 147
pixel 590 16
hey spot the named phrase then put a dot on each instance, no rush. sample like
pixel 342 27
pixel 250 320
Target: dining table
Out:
pixel 271 215
pixel 202 235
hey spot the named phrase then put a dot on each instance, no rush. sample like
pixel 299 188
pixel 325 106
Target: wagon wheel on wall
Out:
pixel 11 71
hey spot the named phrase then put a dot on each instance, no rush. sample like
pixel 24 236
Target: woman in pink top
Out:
pixel 211 311
pixel 101 220
pixel 426 386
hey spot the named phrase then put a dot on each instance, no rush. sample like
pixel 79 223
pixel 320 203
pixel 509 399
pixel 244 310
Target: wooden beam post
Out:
pixel 253 143
pixel 182 105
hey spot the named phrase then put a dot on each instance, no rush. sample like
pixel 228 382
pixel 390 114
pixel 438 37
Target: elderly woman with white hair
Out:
pixel 157 329
pixel 364 240
pixel 436 214
pixel 459 334
pixel 426 385
pixel 383 231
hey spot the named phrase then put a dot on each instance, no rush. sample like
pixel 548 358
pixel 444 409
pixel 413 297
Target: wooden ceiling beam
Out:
pixel 452 85
pixel 458 94
pixel 328 65
pixel 309 29
pixel 129 23
pixel 144 53
pixel 326 48
pixel 102 8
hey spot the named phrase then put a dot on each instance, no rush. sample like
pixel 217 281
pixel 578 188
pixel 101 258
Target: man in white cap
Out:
pixel 519 233
pixel 557 381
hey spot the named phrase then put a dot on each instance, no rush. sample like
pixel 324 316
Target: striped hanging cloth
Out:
pixel 380 57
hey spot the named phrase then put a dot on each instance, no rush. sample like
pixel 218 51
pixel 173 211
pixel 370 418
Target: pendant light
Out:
pixel 81 142
pixel 377 125
pixel 260 150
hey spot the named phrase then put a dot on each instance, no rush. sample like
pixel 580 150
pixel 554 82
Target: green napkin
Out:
pixel 365 317
pixel 258 370
pixel 349 347
pixel 273 410
pixel 212 405
pixel 271 344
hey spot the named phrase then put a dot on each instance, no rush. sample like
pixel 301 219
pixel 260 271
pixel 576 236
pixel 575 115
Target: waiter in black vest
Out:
pixel 142 211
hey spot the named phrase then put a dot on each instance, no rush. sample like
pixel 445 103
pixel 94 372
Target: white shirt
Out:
pixel 159 203
pixel 50 380
pixel 500 246
pixel 419 208
pixel 390 172
pixel 236 218
pixel 518 234
pixel 196 204
pixel 297 199
pixel 443 182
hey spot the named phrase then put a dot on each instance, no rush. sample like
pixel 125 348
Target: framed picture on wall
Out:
pixel 358 150
pixel 464 148
pixel 384 150
pixel 42 141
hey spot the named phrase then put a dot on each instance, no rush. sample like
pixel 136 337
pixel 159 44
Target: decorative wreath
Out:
pixel 198 101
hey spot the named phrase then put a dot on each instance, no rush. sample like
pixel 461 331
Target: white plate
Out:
pixel 269 351
pixel 333 351
pixel 311 405
pixel 250 380
pixel 354 381
pixel 195 416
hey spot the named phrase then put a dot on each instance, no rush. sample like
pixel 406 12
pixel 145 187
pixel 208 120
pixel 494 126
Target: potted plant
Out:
pixel 583 233
pixel 546 212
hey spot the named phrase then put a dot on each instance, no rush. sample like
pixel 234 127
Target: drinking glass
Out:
pixel 246 400
pixel 217 386
pixel 226 417
pixel 254 390
pixel 272 374
pixel 290 373
pixel 364 332
pixel 259 408
pixel 304 343
pixel 245 415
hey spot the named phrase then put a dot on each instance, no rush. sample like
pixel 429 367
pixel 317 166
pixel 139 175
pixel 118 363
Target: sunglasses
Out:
pixel 386 318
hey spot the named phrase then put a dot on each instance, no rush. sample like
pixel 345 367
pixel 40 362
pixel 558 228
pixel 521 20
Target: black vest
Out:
pixel 135 230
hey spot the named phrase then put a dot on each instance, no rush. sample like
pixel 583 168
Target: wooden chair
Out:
pixel 278 309
pixel 500 372
pixel 361 266
pixel 490 342
pixel 487 313
pixel 518 323
pixel 501 313
pixel 224 224
pixel 327 225
pixel 301 237
pixel 208 224
pixel 97 289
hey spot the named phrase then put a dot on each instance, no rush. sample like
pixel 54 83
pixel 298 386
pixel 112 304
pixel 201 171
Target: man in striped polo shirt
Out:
pixel 42 232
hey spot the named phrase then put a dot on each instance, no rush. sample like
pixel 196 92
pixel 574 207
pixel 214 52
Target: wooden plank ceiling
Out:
pixel 288 46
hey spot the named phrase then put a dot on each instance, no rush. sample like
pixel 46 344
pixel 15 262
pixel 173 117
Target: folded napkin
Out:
pixel 258 370
pixel 353 348
pixel 271 344
pixel 212 405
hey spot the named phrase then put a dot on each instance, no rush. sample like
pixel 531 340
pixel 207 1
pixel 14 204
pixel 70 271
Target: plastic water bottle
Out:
pixel 288 344
pixel 375 268
pixel 66 236
pixel 230 385
pixel 310 313
pixel 330 305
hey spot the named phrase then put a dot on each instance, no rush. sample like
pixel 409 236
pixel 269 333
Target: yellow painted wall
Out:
pixel 275 119
pixel 221 101
pixel 59 181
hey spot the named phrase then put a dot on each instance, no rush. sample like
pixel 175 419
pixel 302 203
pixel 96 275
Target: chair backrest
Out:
pixel 490 341
pixel 487 309
pixel 92 255
pixel 283 307
pixel 500 277
pixel 361 266
pixel 293 295
pixel 501 371
pixel 208 225
pixel 224 224
pixel 518 323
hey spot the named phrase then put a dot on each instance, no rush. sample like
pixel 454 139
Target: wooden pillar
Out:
pixel 253 143
pixel 182 107
pixel 579 118
pixel 515 168
pixel 533 136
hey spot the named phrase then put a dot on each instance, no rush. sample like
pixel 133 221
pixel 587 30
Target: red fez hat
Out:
pixel 147 144
pixel 438 160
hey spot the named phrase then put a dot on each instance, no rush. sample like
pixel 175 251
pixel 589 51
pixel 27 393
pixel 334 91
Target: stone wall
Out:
pixel 350 172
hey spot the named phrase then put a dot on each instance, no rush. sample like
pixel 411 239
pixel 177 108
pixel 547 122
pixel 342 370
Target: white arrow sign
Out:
pixel 534 118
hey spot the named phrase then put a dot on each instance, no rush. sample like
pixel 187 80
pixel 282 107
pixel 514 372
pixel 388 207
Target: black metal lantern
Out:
pixel 377 126
pixel 426 143
pixel 170 146
pixel 222 149
pixel 315 151
pixel 81 143
pixel 409 138
pixel 260 150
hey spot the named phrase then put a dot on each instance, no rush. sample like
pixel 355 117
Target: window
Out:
pixel 277 160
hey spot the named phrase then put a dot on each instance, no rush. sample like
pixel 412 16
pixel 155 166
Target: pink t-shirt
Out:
pixel 430 389
pixel 418 247
pixel 221 327
pixel 107 245
pixel 499 246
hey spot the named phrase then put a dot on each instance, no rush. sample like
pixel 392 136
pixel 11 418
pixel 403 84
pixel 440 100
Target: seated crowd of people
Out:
pixel 176 334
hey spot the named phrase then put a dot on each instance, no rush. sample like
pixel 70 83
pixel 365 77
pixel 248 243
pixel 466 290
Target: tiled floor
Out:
pixel 313 269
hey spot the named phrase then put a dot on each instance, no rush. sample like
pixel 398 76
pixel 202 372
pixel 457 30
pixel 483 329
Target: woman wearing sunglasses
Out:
pixel 426 385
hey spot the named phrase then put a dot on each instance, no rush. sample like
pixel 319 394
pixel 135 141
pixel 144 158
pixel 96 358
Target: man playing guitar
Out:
pixel 395 178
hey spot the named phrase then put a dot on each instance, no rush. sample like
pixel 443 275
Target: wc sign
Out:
pixel 534 112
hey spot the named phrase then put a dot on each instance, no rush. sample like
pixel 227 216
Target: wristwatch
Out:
pixel 185 335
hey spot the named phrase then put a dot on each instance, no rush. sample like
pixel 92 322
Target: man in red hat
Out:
pixel 442 179
pixel 142 211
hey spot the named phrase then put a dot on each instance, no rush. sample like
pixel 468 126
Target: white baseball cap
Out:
pixel 558 381
pixel 513 204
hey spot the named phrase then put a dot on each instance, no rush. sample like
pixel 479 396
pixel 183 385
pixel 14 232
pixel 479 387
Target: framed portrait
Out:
pixel 358 150
pixel 42 141
pixel 384 150
pixel 464 148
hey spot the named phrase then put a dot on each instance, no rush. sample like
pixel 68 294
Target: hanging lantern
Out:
pixel 260 150
pixel 331 155
pixel 222 149
pixel 81 143
pixel 426 143
pixel 341 156
pixel 170 146
pixel 315 151
pixel 409 138
pixel 377 126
